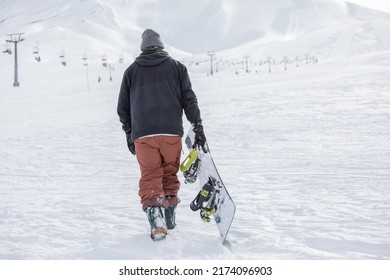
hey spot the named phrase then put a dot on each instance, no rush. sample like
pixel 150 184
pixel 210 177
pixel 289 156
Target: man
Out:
pixel 154 92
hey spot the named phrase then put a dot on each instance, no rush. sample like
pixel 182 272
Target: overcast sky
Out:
pixel 383 5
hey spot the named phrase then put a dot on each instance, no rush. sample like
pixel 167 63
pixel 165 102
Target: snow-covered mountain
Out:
pixel 326 28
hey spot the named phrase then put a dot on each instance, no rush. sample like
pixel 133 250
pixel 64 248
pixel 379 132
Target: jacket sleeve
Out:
pixel 123 108
pixel 188 98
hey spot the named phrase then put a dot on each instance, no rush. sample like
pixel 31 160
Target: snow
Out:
pixel 305 153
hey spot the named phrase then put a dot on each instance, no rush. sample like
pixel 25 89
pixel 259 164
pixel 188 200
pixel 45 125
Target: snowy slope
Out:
pixel 305 153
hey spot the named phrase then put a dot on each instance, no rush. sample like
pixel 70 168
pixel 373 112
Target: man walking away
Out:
pixel 155 91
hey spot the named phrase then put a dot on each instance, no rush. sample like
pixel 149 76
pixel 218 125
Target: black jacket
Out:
pixel 155 89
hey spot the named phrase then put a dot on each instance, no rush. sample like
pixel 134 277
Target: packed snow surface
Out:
pixel 305 155
pixel 304 152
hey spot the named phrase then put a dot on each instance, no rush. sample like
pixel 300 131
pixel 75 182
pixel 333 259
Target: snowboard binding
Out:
pixel 206 201
pixel 190 166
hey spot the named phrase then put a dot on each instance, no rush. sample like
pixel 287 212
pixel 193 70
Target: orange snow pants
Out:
pixel 159 161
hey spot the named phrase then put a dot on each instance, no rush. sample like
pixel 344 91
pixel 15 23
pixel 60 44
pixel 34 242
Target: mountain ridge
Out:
pixel 207 25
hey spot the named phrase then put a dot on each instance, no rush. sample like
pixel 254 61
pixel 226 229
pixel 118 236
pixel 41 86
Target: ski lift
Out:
pixel 7 49
pixel 36 52
pixel 85 59
pixel 121 58
pixel 104 60
pixel 62 57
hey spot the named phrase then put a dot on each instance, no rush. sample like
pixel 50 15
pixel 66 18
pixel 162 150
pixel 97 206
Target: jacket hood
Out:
pixel 152 59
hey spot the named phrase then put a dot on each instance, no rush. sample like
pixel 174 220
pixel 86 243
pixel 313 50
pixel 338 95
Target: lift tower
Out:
pixel 15 38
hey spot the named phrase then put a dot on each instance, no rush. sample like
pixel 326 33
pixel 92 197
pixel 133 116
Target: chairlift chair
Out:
pixel 85 59
pixel 62 57
pixel 104 60
pixel 63 61
pixel 36 52
pixel 7 49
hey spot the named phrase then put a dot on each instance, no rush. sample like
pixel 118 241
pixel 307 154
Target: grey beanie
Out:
pixel 150 38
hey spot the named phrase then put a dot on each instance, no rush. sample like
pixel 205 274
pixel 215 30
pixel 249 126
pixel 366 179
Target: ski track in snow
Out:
pixel 304 154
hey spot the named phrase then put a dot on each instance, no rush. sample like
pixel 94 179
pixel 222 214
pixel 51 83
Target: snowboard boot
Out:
pixel 170 216
pixel 158 229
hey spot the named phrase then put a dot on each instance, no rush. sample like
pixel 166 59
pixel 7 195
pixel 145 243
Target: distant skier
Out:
pixel 154 92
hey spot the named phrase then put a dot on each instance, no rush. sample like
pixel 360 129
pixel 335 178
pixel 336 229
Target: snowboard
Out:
pixel 213 199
